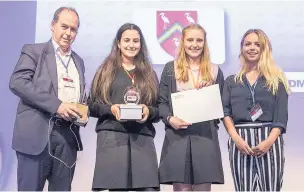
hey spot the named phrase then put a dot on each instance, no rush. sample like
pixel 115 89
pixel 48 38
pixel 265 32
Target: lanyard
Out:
pixel 195 83
pixel 132 77
pixel 62 62
pixel 252 88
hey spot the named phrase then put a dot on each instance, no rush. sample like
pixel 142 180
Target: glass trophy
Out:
pixel 83 110
pixel 131 110
pixel 84 113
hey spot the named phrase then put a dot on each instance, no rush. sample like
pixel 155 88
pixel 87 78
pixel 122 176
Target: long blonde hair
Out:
pixel 181 61
pixel 266 65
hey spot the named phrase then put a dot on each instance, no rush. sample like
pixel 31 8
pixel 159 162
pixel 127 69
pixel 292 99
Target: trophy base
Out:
pixel 130 112
pixel 80 122
pixel 84 110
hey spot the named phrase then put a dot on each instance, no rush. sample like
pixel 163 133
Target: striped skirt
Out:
pixel 251 173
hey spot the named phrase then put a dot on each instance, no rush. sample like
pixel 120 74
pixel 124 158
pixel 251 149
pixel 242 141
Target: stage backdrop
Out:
pixel 161 23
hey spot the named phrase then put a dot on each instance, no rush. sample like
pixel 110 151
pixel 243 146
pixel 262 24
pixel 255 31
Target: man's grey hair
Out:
pixel 59 10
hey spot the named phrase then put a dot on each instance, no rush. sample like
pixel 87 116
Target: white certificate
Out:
pixel 198 105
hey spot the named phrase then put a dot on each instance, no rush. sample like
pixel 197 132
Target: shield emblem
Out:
pixel 169 26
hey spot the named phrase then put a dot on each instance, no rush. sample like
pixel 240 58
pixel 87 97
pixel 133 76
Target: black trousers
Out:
pixel 34 170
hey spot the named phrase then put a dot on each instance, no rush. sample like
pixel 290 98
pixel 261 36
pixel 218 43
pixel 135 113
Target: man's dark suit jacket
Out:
pixel 35 82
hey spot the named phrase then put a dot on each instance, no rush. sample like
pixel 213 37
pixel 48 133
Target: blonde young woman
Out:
pixel 191 157
pixel 255 106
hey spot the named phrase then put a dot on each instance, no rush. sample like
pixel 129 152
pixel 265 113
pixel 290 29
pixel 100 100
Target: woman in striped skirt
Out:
pixel 256 112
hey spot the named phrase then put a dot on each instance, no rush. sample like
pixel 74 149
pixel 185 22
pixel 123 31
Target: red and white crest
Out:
pixel 169 28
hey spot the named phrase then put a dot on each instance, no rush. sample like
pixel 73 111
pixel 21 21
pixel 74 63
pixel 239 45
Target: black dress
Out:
pixel 126 156
pixel 192 155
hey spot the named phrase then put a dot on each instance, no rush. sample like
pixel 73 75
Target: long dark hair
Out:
pixel 146 80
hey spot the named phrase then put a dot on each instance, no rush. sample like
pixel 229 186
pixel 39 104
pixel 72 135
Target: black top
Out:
pixel 106 121
pixel 168 86
pixel 238 100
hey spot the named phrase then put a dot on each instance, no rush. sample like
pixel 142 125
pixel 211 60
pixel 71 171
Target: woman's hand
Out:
pixel 205 83
pixel 115 110
pixel 178 123
pixel 145 114
pixel 262 148
pixel 242 145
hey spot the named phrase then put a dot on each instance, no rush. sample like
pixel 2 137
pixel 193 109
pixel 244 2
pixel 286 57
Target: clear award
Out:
pixel 83 110
pixel 131 110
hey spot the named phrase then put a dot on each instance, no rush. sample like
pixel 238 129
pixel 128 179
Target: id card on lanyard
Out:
pixel 256 111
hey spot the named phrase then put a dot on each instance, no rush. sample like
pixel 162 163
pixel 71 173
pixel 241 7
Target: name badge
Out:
pixel 67 79
pixel 68 82
pixel 68 89
pixel 255 112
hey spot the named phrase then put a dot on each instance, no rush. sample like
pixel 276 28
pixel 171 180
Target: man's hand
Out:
pixel 68 111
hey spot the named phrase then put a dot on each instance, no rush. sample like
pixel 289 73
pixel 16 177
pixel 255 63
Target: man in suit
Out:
pixel 48 78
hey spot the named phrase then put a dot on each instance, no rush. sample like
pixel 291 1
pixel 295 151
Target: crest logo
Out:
pixel 169 26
